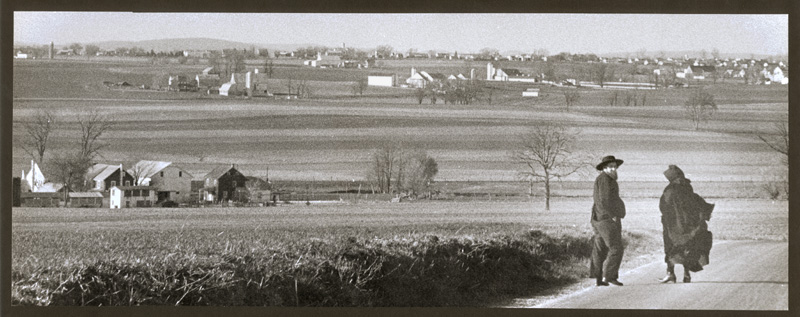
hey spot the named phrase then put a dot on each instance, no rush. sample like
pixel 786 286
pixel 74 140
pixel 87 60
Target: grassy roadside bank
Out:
pixel 416 270
pixel 473 254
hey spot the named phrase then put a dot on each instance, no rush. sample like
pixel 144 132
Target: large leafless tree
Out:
pixel 548 153
pixel 69 170
pixel 700 107
pixel 779 140
pixel 37 134
pixel 92 126
pixel 571 97
pixel 600 73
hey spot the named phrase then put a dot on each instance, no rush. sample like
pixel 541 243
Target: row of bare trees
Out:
pixel 627 98
pixel 398 168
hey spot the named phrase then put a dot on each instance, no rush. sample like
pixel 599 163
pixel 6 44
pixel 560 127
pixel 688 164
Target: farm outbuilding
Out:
pixel 173 183
pixel 421 79
pixel 131 196
pixel 249 83
pixel 382 79
pixel 103 176
pixel 505 74
pixel 326 60
pixel 222 184
pixel 40 199
pixel 85 199
pixel 531 92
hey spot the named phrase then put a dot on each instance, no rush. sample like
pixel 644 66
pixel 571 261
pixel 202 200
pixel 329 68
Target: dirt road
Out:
pixel 742 275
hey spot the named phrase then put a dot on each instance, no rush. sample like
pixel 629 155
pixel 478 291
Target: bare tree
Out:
pixel 359 87
pixel 384 51
pixel 600 73
pixel 613 98
pixel 383 167
pixel 269 67
pixel 779 141
pixel 420 94
pixel 137 172
pixel 395 168
pixel 303 89
pixel 289 84
pixel 547 153
pixel 571 97
pixel 700 107
pixel 37 134
pixel 550 71
pixel 92 126
pixel 69 170
pixel 76 48
pixel 419 170
pixel 215 61
pixel 488 53
pixel 91 50
pixel 641 53
pixel 715 53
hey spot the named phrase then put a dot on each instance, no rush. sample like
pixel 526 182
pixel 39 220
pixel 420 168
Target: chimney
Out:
pixel 121 175
pixel 50 52
pixel 413 71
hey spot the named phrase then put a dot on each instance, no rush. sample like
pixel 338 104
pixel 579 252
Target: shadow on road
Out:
pixel 741 282
pixel 715 282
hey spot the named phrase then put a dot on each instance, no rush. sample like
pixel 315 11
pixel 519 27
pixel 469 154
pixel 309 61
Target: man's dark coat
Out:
pixel 684 214
pixel 607 211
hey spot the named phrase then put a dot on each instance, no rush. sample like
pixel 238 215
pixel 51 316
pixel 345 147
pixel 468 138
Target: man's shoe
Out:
pixel 687 278
pixel 669 278
pixel 600 282
pixel 615 282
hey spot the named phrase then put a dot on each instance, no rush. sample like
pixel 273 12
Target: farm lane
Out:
pixel 743 275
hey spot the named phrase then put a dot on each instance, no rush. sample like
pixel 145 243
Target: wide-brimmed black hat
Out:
pixel 608 159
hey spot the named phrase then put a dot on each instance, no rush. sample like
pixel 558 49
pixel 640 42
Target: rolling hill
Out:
pixel 193 44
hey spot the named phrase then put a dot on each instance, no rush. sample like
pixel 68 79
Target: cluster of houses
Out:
pixel 423 79
pixel 145 184
pixel 769 73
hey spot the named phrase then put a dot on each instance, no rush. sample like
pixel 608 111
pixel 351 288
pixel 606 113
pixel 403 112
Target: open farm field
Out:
pixel 35 228
pixel 332 136
pixel 311 139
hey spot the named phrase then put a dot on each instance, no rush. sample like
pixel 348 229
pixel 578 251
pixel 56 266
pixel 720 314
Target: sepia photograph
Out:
pixel 530 161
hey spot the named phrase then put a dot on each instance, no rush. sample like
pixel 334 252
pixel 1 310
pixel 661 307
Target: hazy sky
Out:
pixel 575 33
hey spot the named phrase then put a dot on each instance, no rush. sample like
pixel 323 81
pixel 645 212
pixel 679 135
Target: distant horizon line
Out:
pixel 649 53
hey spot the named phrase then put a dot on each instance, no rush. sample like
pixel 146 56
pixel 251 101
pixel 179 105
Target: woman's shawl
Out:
pixel 684 215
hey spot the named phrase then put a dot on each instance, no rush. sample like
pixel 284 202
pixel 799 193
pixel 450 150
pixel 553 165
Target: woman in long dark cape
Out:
pixel 684 214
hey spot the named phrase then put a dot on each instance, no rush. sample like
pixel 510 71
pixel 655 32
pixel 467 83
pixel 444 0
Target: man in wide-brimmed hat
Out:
pixel 607 211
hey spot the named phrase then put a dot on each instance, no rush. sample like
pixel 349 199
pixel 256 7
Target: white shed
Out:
pixel 385 80
pixel 531 92
pixel 131 196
